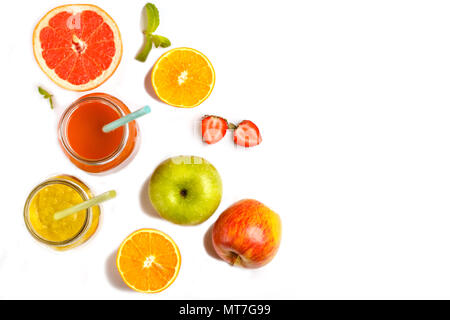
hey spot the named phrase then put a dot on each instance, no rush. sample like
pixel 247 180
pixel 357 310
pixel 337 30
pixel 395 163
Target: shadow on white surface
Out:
pixel 207 243
pixel 113 274
pixel 146 205
pixel 148 85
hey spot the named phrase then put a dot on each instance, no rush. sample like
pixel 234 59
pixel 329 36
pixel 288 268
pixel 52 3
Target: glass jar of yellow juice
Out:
pixel 53 195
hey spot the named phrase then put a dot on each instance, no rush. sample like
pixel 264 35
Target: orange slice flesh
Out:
pixel 148 261
pixel 183 77
pixel 78 46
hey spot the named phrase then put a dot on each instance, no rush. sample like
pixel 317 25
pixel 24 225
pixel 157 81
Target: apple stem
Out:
pixel 235 259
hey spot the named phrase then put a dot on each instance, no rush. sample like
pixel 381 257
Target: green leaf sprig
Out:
pixel 46 95
pixel 150 39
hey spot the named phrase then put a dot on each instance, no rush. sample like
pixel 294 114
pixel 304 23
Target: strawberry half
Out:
pixel 247 134
pixel 213 129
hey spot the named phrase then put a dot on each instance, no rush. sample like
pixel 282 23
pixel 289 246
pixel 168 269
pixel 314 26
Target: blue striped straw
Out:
pixel 126 119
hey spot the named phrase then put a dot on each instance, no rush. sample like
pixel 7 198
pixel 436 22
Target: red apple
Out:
pixel 247 234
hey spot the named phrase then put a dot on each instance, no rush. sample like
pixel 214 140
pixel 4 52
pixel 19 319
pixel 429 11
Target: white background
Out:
pixel 352 98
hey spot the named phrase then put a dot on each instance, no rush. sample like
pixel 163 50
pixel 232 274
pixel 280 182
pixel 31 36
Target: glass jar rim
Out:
pixel 63 137
pixel 53 181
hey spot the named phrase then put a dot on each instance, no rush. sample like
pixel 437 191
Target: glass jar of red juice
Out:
pixel 83 140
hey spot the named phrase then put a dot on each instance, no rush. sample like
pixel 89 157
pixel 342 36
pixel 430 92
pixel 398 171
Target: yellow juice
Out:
pixel 54 195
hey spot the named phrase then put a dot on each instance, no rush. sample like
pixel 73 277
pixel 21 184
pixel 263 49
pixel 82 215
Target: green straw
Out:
pixel 85 205
pixel 126 119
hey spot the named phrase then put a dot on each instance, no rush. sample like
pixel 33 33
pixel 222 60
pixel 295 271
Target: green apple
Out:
pixel 185 190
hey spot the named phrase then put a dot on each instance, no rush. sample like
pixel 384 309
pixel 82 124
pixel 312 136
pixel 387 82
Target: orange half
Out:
pixel 78 46
pixel 148 261
pixel 183 78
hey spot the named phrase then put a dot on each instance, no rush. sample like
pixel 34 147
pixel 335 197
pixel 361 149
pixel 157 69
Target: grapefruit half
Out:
pixel 78 46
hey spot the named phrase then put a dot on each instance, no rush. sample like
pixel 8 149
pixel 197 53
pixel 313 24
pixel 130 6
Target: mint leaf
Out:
pixel 146 48
pixel 50 99
pixel 152 18
pixel 46 95
pixel 151 24
pixel 160 41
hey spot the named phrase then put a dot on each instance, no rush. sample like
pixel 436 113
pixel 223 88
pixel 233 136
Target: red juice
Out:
pixel 86 145
pixel 85 135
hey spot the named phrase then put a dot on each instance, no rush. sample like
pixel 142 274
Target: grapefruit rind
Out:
pixel 177 267
pixel 75 8
pixel 168 53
